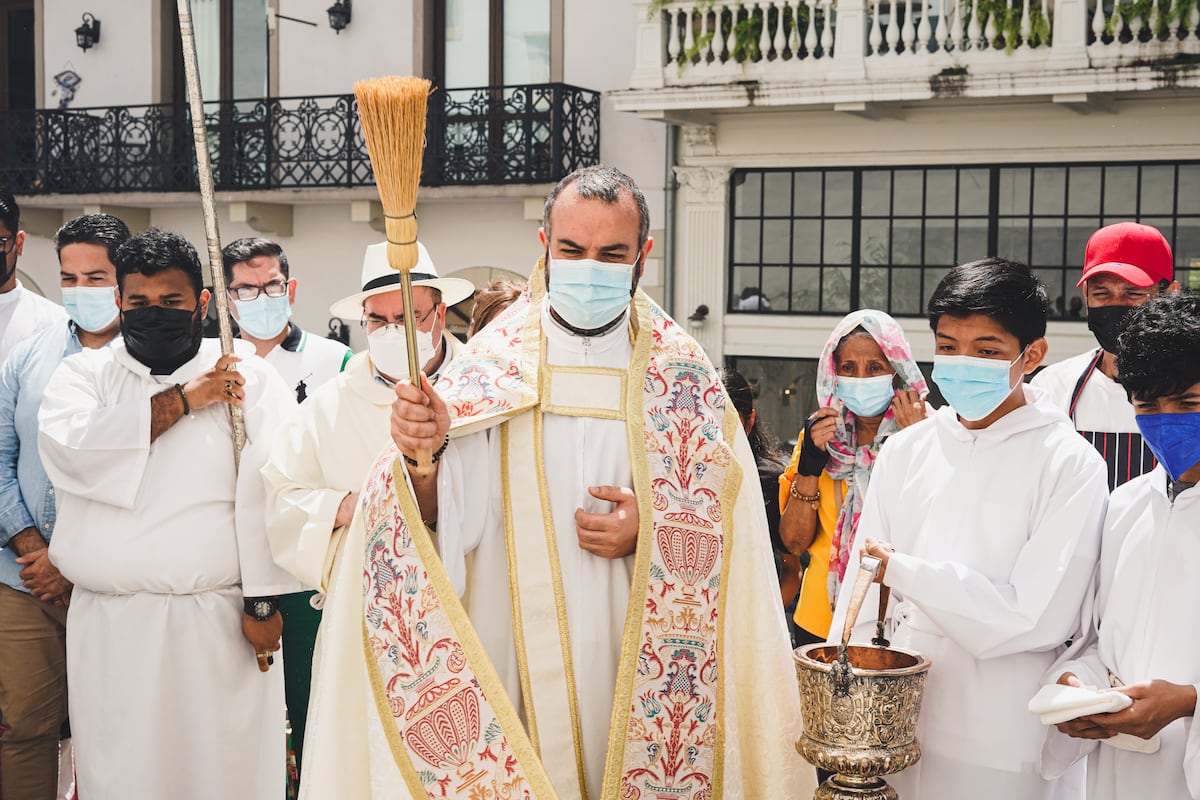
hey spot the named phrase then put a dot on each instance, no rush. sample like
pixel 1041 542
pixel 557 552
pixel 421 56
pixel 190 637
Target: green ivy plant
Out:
pixel 741 28
pixel 1008 23
pixel 1169 13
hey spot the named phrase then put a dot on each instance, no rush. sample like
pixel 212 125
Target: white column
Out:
pixel 649 53
pixel 1069 31
pixel 701 253
pixel 850 38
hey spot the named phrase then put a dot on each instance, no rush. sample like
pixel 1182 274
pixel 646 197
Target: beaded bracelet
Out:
pixel 436 456
pixel 187 409
pixel 813 501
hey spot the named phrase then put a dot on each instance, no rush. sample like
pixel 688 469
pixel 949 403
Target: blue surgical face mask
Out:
pixel 974 387
pixel 1174 439
pixel 263 317
pixel 92 308
pixel 866 397
pixel 589 294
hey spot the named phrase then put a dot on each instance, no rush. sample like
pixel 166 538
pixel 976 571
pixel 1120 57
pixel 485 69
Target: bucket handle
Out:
pixel 840 672
pixel 868 568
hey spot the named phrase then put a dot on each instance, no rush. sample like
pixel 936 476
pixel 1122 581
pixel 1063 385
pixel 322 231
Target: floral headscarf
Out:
pixel 848 461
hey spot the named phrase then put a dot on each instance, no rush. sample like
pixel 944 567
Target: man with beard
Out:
pixel 1125 265
pixel 22 313
pixel 174 611
pixel 598 509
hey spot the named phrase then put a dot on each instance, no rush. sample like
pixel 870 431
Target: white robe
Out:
pixel 323 451
pixel 162 541
pixel 1147 610
pixel 997 534
pixel 579 452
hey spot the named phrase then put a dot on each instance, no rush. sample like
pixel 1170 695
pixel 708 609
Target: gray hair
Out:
pixel 601 183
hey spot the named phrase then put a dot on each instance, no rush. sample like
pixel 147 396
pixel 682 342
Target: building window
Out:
pixel 492 43
pixel 827 241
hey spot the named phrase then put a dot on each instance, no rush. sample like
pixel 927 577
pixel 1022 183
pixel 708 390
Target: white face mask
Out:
pixel 389 350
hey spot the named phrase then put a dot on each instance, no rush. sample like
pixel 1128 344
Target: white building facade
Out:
pixel 839 154
pixel 520 102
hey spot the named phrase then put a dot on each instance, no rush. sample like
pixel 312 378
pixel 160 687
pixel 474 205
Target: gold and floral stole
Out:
pixel 452 727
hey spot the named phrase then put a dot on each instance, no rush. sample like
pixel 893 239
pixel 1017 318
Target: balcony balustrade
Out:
pixel 491 135
pixel 821 47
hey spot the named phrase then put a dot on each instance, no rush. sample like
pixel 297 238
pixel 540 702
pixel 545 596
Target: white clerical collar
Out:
pixel 560 337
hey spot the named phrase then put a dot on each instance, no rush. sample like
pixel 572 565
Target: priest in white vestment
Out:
pixel 1141 637
pixel 988 517
pixel 572 449
pixel 171 690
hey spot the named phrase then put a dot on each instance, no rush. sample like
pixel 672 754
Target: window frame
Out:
pixel 1023 216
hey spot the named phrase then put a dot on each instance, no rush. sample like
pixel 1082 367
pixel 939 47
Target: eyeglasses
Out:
pixel 5 241
pixel 373 322
pixel 277 288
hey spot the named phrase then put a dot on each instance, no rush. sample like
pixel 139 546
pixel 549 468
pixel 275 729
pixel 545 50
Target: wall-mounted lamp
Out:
pixel 339 15
pixel 87 34
pixel 698 317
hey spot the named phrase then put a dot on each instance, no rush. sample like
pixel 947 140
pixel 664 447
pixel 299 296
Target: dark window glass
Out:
pixel 829 241
pixel 839 193
pixel 1120 192
pixel 747 195
pixel 806 194
pixel 876 193
pixel 1084 187
pixel 1014 190
pixel 1188 187
pixel 1049 190
pixel 940 189
pixel 777 194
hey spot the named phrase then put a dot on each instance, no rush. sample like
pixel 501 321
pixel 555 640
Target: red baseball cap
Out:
pixel 1137 253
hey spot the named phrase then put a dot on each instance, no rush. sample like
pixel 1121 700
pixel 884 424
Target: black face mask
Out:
pixel 8 273
pixel 1105 323
pixel 164 339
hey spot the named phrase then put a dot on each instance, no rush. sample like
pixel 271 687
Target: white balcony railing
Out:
pixel 705 42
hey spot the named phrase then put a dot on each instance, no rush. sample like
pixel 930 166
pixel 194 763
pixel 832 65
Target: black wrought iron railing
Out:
pixel 491 135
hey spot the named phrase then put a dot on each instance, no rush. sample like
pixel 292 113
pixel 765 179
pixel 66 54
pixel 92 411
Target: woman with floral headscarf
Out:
pixel 868 387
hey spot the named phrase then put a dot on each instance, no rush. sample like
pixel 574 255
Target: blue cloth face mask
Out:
pixel 589 294
pixel 263 317
pixel 974 387
pixel 866 397
pixel 1174 439
pixel 92 308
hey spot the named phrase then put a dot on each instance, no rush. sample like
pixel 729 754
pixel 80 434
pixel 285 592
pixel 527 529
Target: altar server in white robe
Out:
pixel 324 449
pixel 1141 639
pixel 172 622
pixel 987 517
pixel 600 228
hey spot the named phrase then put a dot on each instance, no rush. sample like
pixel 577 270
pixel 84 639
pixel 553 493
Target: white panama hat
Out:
pixel 378 277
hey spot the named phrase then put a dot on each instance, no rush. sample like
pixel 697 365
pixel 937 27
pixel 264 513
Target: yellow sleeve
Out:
pixel 789 474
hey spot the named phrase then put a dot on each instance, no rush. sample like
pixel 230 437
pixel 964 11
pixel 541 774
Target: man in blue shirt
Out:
pixel 33 595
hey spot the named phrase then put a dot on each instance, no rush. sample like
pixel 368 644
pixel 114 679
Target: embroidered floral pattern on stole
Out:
pixel 674 733
pixel 671 735
pixel 485 379
pixel 439 710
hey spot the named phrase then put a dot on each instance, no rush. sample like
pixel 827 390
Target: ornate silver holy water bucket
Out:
pixel 860 705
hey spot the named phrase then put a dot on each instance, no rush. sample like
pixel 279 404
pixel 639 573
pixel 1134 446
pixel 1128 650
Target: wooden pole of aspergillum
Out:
pixel 191 70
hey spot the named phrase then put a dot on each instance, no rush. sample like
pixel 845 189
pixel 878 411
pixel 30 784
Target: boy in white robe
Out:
pixel 987 517
pixel 173 617
pixel 1147 604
